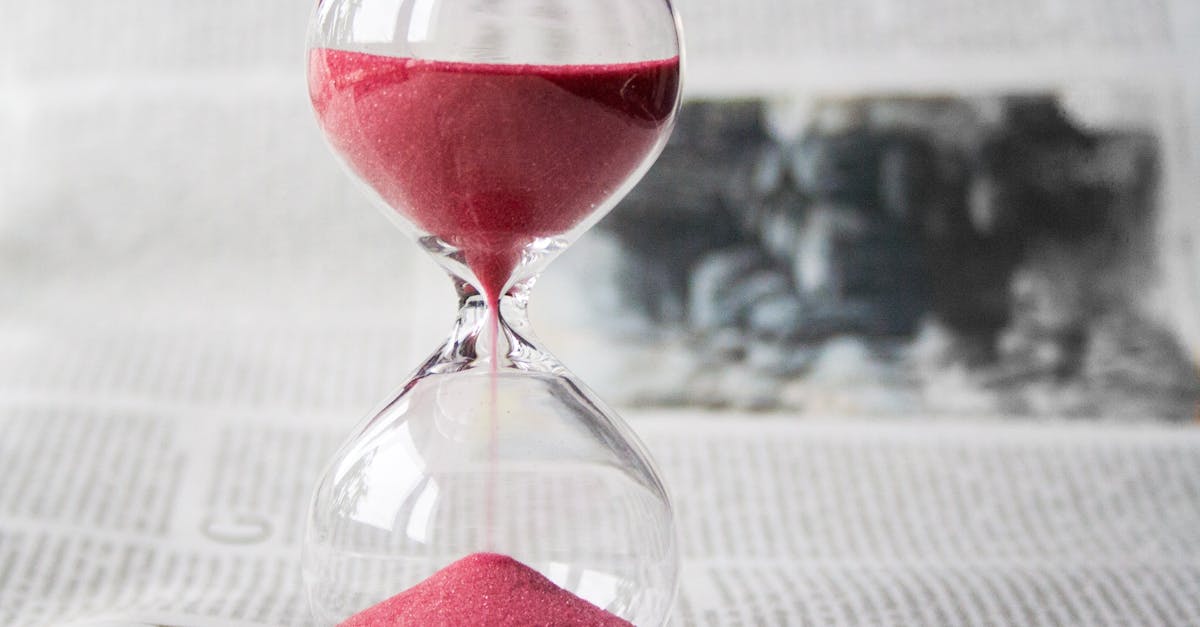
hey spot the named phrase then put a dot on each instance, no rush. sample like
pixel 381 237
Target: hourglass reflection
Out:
pixel 496 133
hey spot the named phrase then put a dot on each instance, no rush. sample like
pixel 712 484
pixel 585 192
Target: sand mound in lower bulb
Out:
pixel 485 589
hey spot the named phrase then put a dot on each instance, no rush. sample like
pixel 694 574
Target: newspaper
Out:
pixel 164 515
pixel 158 474
pixel 176 518
pixel 779 46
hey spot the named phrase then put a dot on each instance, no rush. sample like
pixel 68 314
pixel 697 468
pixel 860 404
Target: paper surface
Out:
pixel 196 305
pixel 174 516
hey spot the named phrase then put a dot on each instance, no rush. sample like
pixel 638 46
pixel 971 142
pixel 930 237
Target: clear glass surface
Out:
pixel 492 445
pixel 497 32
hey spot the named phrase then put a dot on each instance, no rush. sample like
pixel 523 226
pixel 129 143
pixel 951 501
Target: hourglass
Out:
pixel 495 488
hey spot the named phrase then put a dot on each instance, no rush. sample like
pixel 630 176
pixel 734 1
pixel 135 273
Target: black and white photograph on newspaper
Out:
pixel 898 254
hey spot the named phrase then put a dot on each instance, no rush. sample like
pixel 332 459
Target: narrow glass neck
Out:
pixel 494 335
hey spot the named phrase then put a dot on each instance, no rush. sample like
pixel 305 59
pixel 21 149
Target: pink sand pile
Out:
pixel 485 589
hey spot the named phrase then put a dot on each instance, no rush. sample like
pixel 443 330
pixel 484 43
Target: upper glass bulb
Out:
pixel 498 129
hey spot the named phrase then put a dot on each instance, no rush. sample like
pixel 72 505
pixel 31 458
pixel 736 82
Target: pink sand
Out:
pixel 491 156
pixel 485 589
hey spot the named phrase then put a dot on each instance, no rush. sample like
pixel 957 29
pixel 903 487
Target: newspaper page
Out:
pixel 873 205
pixel 171 518
pixel 161 516
pixel 778 46
pixel 167 499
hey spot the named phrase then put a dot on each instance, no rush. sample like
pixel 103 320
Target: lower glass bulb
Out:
pixel 516 459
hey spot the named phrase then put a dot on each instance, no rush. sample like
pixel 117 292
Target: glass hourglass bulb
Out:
pixel 496 132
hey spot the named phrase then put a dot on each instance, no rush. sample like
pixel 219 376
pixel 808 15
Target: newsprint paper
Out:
pixel 164 516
